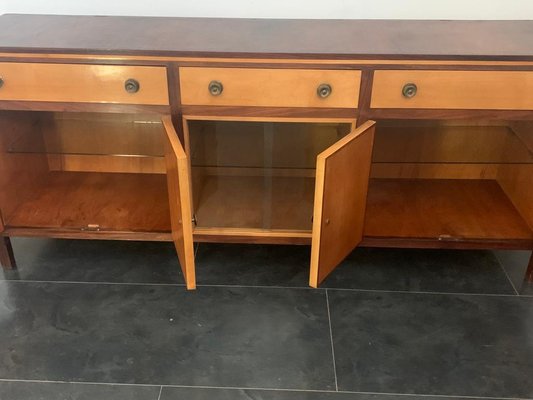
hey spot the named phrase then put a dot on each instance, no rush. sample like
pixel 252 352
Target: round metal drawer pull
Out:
pixel 215 88
pixel 323 90
pixel 132 86
pixel 409 90
pixel 1 83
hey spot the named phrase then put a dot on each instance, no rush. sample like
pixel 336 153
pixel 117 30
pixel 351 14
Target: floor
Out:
pixel 112 320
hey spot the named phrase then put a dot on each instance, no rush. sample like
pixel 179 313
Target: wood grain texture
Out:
pixel 63 233
pixel 501 40
pixel 179 195
pixel 78 200
pixel 260 87
pixel 447 243
pixel 82 83
pixel 269 112
pixel 496 90
pixel 342 176
pixel 301 62
pixel 256 236
pixel 452 210
pixel 517 183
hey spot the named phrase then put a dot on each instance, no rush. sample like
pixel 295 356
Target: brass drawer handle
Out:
pixel 132 86
pixel 323 90
pixel 409 90
pixel 215 88
pixel 1 82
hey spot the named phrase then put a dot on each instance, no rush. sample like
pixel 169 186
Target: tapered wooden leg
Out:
pixel 7 259
pixel 529 272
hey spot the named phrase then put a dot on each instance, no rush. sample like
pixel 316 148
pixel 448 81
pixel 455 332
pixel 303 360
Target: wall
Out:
pixel 409 9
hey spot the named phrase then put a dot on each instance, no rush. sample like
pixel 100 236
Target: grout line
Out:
pixel 160 391
pixel 332 346
pixel 94 283
pixel 267 287
pixel 78 383
pixel 268 389
pixel 507 275
pixel 422 292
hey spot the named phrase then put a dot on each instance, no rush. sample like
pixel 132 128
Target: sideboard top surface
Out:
pixel 224 37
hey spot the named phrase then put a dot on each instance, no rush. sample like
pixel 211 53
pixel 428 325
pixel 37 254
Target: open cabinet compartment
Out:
pixel 280 181
pixel 83 172
pixel 89 175
pixel 455 182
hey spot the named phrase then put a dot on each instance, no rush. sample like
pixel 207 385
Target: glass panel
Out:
pixel 462 142
pixel 83 171
pixel 258 175
pixel 92 133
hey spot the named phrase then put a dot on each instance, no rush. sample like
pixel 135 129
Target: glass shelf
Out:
pixel 119 135
pixel 453 143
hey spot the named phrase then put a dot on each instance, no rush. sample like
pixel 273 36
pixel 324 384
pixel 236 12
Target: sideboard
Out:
pixel 332 133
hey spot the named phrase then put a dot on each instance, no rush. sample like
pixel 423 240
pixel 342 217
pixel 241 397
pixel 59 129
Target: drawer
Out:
pixel 269 87
pixel 496 90
pixel 82 83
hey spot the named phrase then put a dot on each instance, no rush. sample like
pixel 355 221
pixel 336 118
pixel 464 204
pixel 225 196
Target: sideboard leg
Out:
pixel 529 272
pixel 7 258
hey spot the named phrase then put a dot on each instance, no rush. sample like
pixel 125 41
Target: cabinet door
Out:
pixel 180 201
pixel 342 175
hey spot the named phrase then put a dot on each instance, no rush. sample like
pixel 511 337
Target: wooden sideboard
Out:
pixel 334 133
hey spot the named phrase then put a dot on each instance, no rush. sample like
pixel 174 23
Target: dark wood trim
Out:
pixel 251 239
pixel 7 258
pixel 529 272
pixel 77 234
pixel 411 113
pixel 365 95
pixel 82 107
pixel 175 99
pixel 264 38
pixel 428 243
pixel 274 112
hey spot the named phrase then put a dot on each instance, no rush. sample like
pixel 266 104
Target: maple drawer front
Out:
pixel 84 83
pixel 475 90
pixel 269 87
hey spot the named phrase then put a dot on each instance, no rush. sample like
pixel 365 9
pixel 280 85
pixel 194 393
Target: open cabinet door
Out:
pixel 179 194
pixel 342 175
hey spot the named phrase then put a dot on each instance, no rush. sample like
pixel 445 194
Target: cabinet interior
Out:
pixel 257 175
pixel 83 171
pixel 451 180
pixel 446 180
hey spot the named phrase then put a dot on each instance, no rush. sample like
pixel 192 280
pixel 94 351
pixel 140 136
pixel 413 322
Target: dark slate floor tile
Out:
pixel 95 261
pixel 243 337
pixel 172 393
pixel 433 344
pixel 417 270
pixel 252 265
pixel 373 269
pixel 71 391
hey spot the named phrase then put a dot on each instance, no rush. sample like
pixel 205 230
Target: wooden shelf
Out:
pixel 114 202
pixel 448 210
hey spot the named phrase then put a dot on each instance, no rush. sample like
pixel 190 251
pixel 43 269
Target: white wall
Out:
pixel 409 9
